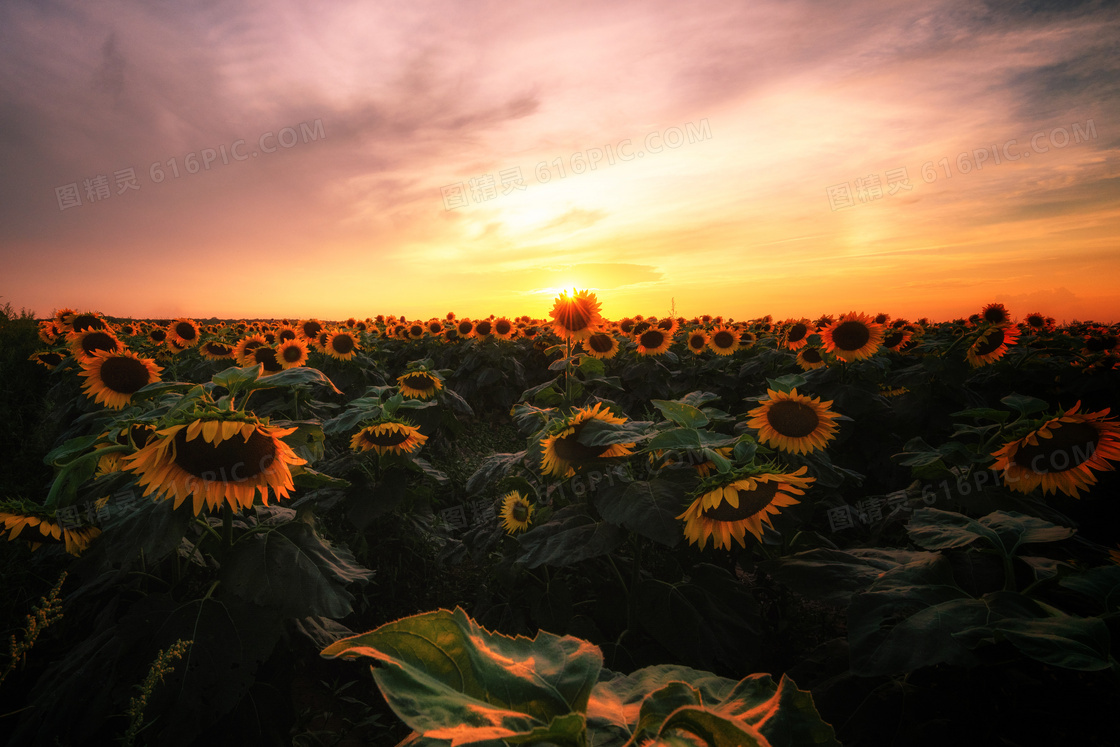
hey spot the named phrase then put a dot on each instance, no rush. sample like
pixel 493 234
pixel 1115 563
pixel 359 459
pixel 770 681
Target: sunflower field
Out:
pixel 850 530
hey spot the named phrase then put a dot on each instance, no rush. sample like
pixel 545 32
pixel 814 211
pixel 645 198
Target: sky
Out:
pixel 792 158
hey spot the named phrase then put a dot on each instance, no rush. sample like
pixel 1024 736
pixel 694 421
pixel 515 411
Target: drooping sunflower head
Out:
pixel 562 450
pixel 1061 454
pixel 517 512
pixel 793 422
pixel 727 506
pixel 219 458
pixel 47 358
pixel 388 437
pixel 576 316
pixel 852 337
pixel 112 378
pixel 809 358
pixel 419 384
pixel 41 526
pixel 991 344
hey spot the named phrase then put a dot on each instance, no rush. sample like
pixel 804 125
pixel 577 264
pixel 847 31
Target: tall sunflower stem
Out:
pixel 227 529
pixel 567 372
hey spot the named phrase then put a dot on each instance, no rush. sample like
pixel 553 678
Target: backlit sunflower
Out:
pixel 415 330
pixel 183 332
pixel 85 321
pixel 483 328
pixel 292 353
pixel 503 328
pixel 85 344
pixel 216 462
pixel 434 327
pixel 47 358
pixel 653 341
pixel 793 422
pixel 990 345
pixel 852 337
pixel 810 358
pixel 1038 322
pixel 112 378
pixel 576 317
pixel 517 513
pixel 342 345
pixel 43 527
pixel 728 506
pixel 420 384
pixel 388 437
pixel 895 339
pixel 796 335
pixel 723 341
pixel 465 328
pixel 1061 454
pixel 562 450
pixel 697 341
pixel 600 345
pixel 995 313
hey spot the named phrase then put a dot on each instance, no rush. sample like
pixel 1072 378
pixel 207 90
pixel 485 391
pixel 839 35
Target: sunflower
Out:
pixel 562 451
pixel 415 330
pixel 157 335
pixel 388 437
pixel 601 345
pixel 653 341
pixel 896 339
pixel 292 353
pixel 669 325
pixel 576 317
pixel 183 332
pixel 419 384
pixel 747 338
pixel 84 344
pixel 990 345
pixel 503 328
pixel 723 341
pixel 216 462
pixel 268 359
pixel 1061 454
pixel 796 335
pixel 342 345
pixel 216 351
pixel 84 322
pixel 852 337
pixel 810 358
pixel 245 347
pixel 728 506
pixel 697 341
pixel 995 313
pixel 50 331
pixel 1039 322
pixel 309 328
pixel 112 378
pixel 465 328
pixel 483 328
pixel 434 327
pixel 793 422
pixel 47 358
pixel 517 513
pixel 43 527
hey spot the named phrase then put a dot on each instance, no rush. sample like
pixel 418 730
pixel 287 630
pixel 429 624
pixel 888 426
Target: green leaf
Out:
pixel 293 570
pixel 786 383
pixel 1101 584
pixel 715 730
pixel 935 529
pixel 69 449
pixel 571 535
pixel 591 367
pixel 689 438
pixel 983 413
pixel 448 678
pixel 1024 404
pixel 309 478
pixel 834 575
pixel 1015 529
pixel 683 415
pixel 1080 643
pixel 616 700
pixel 648 507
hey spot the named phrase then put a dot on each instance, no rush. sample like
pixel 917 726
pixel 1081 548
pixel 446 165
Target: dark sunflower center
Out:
pixel 626 325
pixel 750 503
pixel 95 341
pixel 140 434
pixel 502 327
pixel 600 343
pixel 82 322
pixel 811 355
pixel 342 344
pixel 232 460
pixel 312 329
pixel 292 354
pixel 574 316
pixel 415 331
pixel 484 328
pixel 124 375
pixel 893 339
pixel 186 331
pixel 1035 320
pixel 665 324
pixel 419 382
pixel 267 358
pixel 851 335
pixel 723 339
pixel 217 348
pixel 696 342
pixel 652 338
pixel 52 359
pixel 995 315
pixel 570 449
pixel 465 328
pixel 386 438
pixel 287 334
pixel 520 512
pixel 435 328
pixel 1070 445
pixel 990 343
pixel 797 332
pixel 792 419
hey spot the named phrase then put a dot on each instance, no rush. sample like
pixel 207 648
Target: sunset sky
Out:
pixel 349 159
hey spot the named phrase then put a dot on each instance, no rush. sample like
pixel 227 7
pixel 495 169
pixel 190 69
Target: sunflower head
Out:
pixel 600 345
pixel 728 505
pixel 388 437
pixel 852 337
pixel 793 422
pixel 112 378
pixel 342 345
pixel 724 340
pixel 292 353
pixel 419 384
pixel 87 343
pixel 576 316
pixel 517 512
pixel 184 333
pixel 991 344
pixel 995 313
pixel 562 451
pixel 40 526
